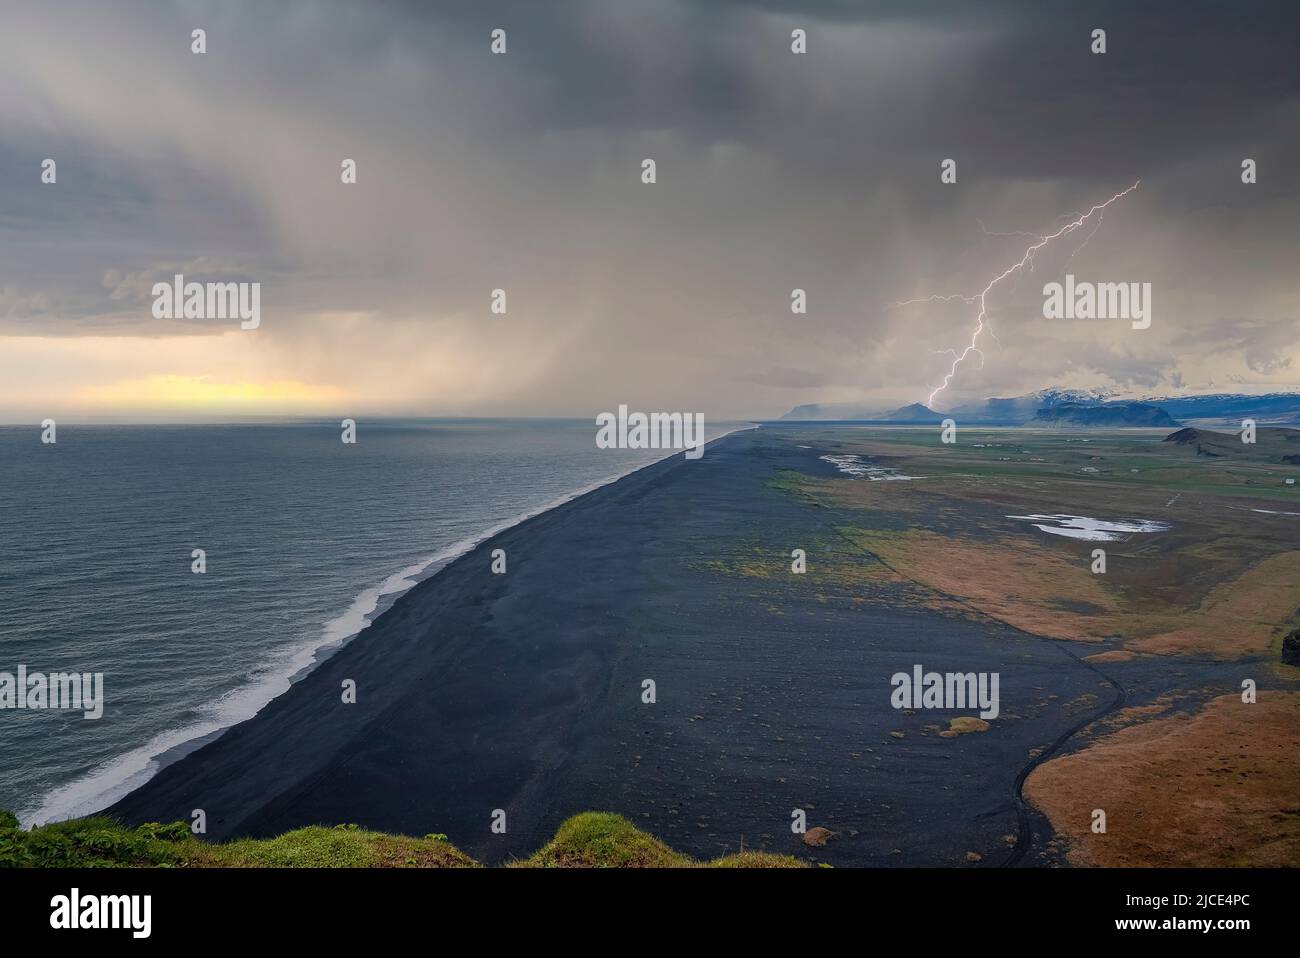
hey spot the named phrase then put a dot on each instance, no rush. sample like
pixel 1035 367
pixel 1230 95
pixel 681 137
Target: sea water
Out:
pixel 305 539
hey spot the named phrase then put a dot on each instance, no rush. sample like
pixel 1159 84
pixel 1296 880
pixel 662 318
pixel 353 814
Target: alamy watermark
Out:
pixel 74 911
pixel 181 300
pixel 79 691
pixel 656 430
pixel 946 690
pixel 1074 300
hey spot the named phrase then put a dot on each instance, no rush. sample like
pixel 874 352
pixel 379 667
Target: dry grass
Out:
pixel 1217 787
pixel 1047 592
pixel 1241 617
pixel 1114 655
pixel 1016 581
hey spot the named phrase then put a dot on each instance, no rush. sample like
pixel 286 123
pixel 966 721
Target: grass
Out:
pixel 1219 781
pixel 340 847
pixel 1217 583
pixel 1034 455
pixel 793 482
pixel 596 840
pixel 93 843
pixel 589 840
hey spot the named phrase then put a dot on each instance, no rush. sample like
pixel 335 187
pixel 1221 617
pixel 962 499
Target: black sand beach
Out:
pixel 523 692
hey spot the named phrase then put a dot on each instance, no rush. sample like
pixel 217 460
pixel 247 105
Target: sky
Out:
pixel 522 171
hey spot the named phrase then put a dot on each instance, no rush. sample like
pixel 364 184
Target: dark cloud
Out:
pixel 775 171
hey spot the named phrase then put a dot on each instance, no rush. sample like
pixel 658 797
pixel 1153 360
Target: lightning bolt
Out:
pixel 1027 260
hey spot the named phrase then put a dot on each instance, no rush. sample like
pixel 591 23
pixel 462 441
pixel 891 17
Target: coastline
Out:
pixel 132 805
pixel 109 783
pixel 522 693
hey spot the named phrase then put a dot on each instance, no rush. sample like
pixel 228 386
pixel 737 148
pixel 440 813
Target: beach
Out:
pixel 523 692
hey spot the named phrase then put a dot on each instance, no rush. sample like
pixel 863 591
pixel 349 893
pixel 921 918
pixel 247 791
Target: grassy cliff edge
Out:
pixel 589 840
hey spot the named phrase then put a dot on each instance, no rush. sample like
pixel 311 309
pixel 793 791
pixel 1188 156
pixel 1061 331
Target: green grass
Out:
pixel 604 840
pixel 794 483
pixel 340 847
pixel 589 840
pixel 93 843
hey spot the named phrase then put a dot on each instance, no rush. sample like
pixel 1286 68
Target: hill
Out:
pixel 1274 407
pixel 916 412
pixel 1274 444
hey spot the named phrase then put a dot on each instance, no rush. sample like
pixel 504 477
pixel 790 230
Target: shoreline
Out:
pixel 142 796
pixel 522 693
pixel 113 781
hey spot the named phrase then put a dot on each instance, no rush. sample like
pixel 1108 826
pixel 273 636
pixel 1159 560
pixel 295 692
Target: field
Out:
pixel 1180 617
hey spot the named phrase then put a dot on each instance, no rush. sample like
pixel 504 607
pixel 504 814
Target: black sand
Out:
pixel 523 692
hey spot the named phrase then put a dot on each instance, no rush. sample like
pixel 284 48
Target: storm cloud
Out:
pixel 521 171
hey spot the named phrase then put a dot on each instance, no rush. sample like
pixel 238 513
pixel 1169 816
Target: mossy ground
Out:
pixel 589 840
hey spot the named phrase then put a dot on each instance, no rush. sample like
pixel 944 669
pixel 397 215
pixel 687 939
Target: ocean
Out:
pixel 306 540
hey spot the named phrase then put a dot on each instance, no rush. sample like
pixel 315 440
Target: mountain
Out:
pixel 1019 409
pixel 1273 444
pixel 1234 407
pixel 916 412
pixel 1012 411
pixel 1106 414
pixel 834 410
pixel 1221 408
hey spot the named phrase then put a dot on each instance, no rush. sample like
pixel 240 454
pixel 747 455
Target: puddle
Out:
pixel 1095 530
pixel 857 467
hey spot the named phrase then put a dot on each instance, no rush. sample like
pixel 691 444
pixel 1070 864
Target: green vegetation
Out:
pixel 344 846
pixel 602 840
pixel 93 843
pixel 589 840
pixel 596 840
pixel 795 483
pixel 1037 455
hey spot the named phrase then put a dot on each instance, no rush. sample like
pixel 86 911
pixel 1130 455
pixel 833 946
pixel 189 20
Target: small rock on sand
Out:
pixel 818 836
